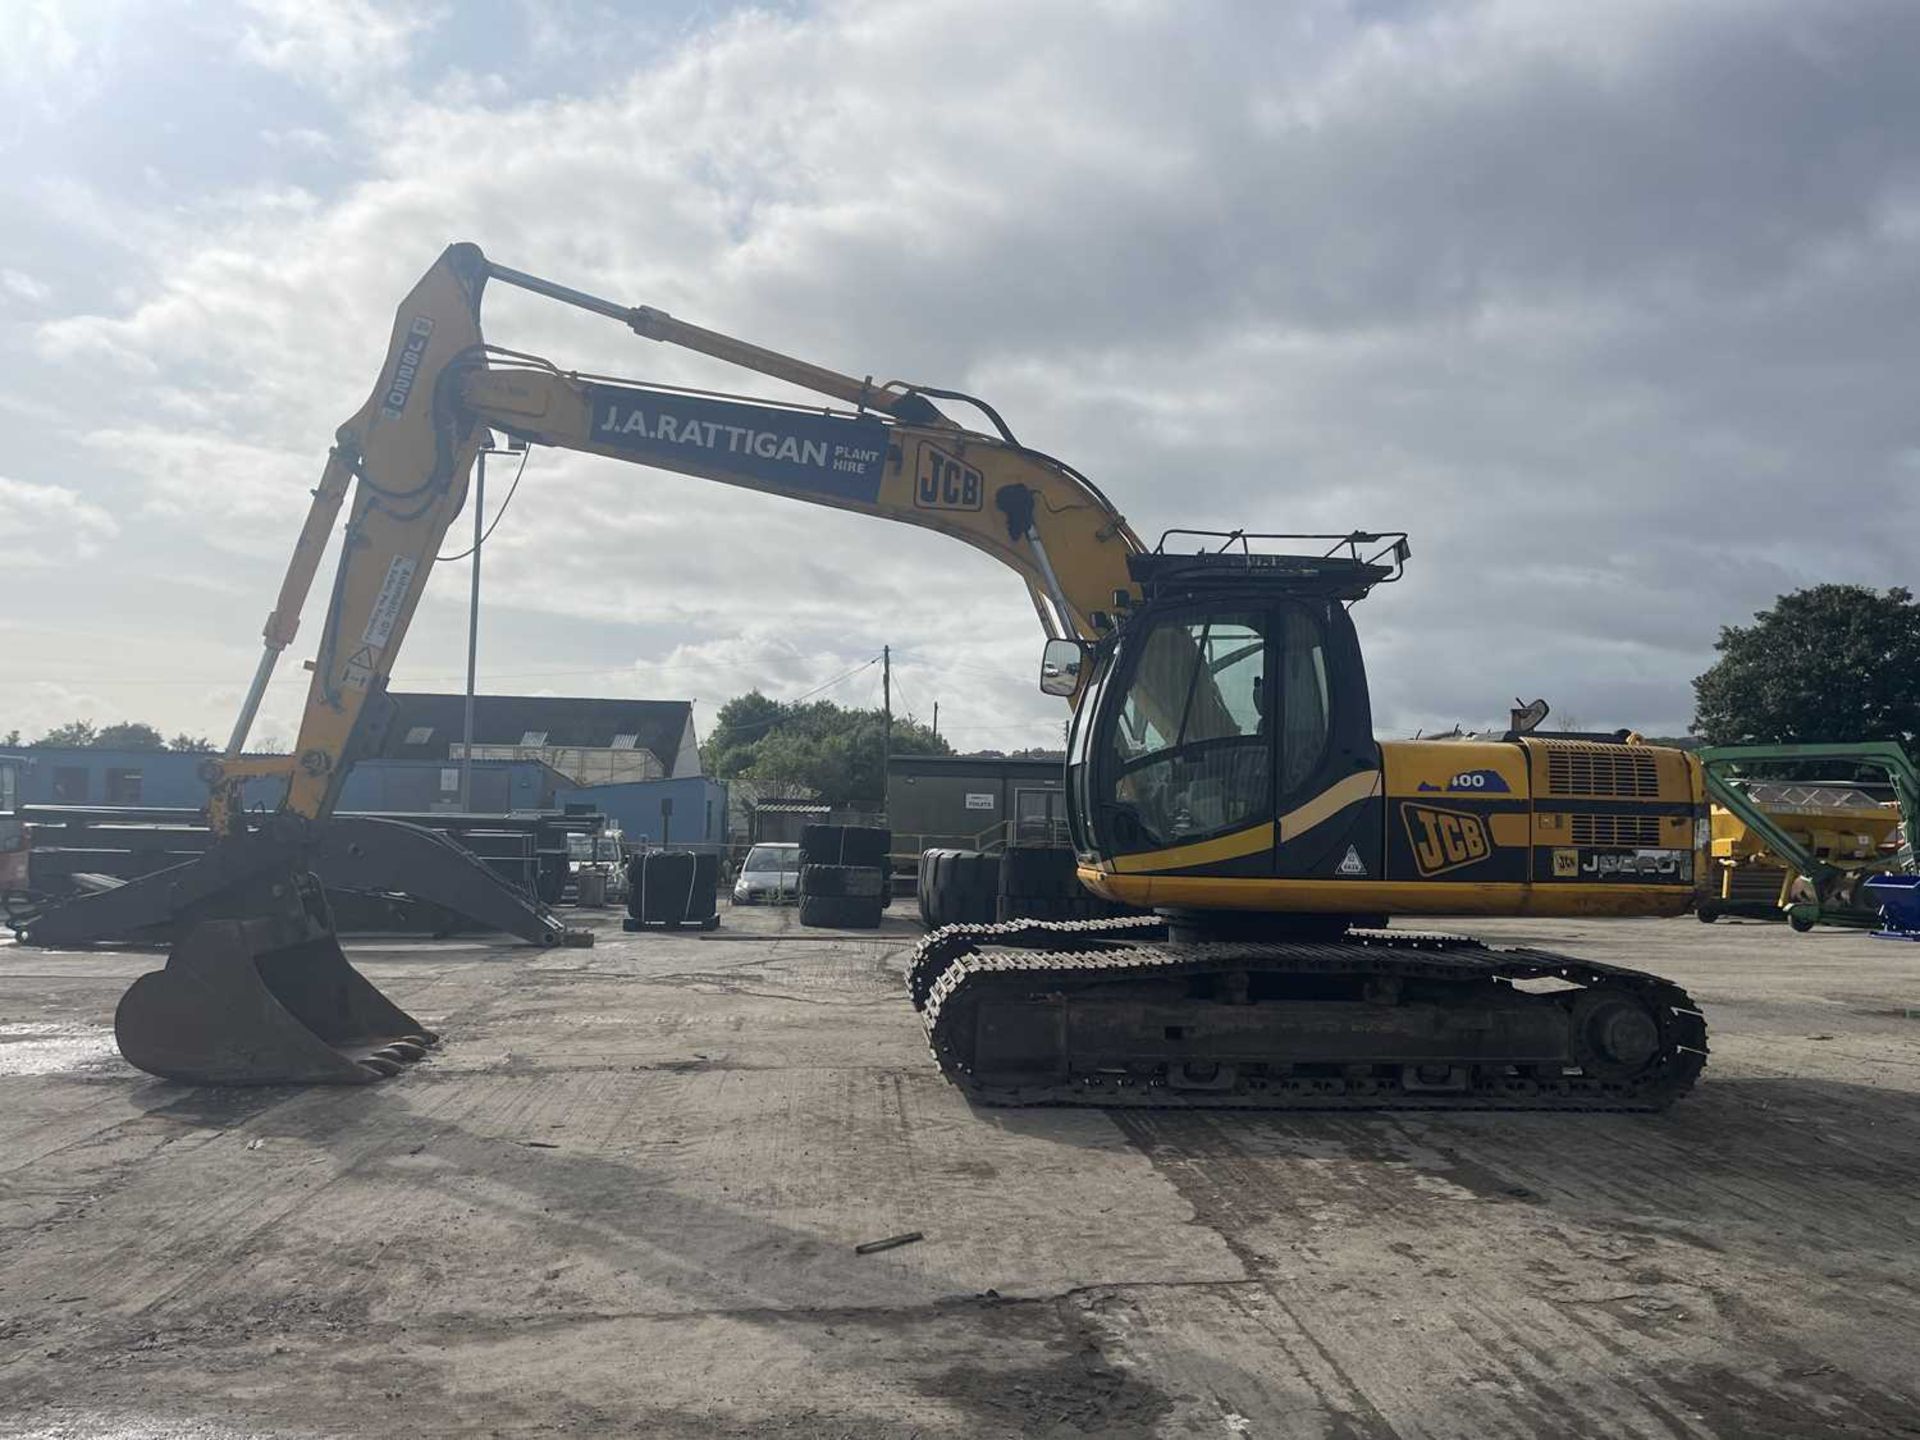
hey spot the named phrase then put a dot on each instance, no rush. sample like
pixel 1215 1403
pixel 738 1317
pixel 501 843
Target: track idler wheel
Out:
pixel 238 1005
pixel 1615 1036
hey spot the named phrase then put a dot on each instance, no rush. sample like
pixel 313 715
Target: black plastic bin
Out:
pixel 672 890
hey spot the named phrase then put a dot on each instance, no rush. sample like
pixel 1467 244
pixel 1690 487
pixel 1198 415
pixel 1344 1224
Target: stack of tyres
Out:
pixel 843 876
pixel 862 846
pixel 1038 882
pixel 672 890
pixel 958 887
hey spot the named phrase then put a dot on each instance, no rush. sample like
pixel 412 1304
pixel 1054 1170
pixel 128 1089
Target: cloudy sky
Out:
pixel 1612 306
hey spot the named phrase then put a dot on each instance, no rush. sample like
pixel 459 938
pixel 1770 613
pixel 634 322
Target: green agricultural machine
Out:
pixel 1825 853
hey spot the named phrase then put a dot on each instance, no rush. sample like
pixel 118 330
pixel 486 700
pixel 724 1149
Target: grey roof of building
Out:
pixel 568 722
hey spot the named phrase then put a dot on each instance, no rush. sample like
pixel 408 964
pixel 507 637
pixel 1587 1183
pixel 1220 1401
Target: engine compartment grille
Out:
pixel 1602 771
pixel 1642 831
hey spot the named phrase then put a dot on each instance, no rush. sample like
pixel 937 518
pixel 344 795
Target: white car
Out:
pixel 770 875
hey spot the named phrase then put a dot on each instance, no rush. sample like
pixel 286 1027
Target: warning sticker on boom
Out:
pixel 391 599
pixel 1351 863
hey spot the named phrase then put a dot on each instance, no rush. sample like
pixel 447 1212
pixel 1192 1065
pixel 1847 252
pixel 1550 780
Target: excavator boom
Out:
pixel 407 453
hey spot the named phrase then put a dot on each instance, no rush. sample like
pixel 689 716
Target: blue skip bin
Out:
pixel 1899 898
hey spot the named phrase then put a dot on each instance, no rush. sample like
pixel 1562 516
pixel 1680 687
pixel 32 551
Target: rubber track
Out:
pixel 1429 957
pixel 942 947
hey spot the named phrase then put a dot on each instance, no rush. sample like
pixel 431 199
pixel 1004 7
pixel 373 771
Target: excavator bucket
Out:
pixel 237 1004
pixel 256 990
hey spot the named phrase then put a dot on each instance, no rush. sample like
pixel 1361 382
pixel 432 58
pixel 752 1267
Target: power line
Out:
pixel 202 681
pixel 767 724
pixel 835 681
pixel 997 672
pixel 407 680
pixel 946 729
pixel 238 684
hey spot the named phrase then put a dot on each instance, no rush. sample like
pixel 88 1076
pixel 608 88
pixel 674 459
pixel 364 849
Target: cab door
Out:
pixel 1329 796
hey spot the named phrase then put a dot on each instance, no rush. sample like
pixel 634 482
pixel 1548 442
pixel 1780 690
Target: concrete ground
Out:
pixel 623 1199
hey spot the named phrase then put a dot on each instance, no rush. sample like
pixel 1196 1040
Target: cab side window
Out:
pixel 1304 700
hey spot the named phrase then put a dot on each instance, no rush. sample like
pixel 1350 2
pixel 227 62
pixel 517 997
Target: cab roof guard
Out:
pixel 1348 568
pixel 1353 543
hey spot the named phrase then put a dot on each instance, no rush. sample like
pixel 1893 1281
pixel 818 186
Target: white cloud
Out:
pixel 23 286
pixel 1608 306
pixel 303 139
pixel 47 526
pixel 341 44
pixel 56 56
pixel 250 493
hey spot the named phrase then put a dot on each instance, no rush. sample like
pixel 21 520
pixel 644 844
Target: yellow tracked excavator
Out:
pixel 1223 775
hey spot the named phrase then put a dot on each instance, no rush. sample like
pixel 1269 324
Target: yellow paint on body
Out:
pixel 1387 897
pixel 1251 841
pixel 1439 764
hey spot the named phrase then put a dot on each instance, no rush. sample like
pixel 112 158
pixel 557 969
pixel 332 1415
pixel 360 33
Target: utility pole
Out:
pixel 936 719
pixel 473 626
pixel 515 445
pixel 886 701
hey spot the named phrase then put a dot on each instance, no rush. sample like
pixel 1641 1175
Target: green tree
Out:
pixel 74 734
pixel 12 737
pixel 129 735
pixel 741 724
pixel 833 751
pixel 1832 663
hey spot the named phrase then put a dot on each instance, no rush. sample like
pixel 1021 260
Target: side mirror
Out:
pixel 1060 665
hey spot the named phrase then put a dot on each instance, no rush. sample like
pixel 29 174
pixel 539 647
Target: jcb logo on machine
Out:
pixel 946 483
pixel 1445 839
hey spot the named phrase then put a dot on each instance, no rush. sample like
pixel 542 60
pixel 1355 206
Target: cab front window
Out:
pixel 1189 744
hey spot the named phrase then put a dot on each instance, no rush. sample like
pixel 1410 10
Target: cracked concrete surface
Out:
pixel 623 1199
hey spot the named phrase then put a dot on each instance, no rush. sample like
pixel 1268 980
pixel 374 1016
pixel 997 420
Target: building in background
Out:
pixel 689 813
pixel 590 741
pixel 170 779
pixel 412 787
pixel 10 768
pixel 635 761
pixel 781 821
pixel 975 802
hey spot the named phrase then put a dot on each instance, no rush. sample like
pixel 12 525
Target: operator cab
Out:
pixel 1234 696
